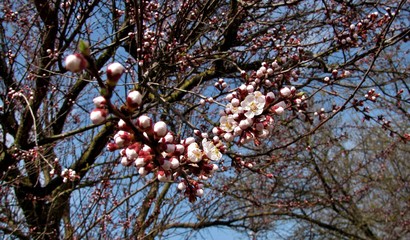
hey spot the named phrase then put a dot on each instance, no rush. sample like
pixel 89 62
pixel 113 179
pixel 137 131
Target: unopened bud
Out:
pixel 114 72
pixel 285 91
pixel 134 99
pixel 144 122
pixel 160 129
pixel 98 115
pixel 75 63
pixel 99 102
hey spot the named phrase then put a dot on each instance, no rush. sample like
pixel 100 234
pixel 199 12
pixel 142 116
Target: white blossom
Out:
pixel 200 192
pixel 227 123
pixel 253 104
pixel 194 153
pixel 211 151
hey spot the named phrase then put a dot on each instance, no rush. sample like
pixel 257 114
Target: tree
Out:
pixel 132 119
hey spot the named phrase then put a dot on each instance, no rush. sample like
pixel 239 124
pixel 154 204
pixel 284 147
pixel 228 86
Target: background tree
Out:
pixel 304 74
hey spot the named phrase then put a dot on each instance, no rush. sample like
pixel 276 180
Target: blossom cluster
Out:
pixel 251 109
pixel 153 148
pixel 68 175
pixel 354 33
pixel 150 146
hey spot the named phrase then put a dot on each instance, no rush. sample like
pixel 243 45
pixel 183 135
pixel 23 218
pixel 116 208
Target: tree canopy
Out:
pixel 144 119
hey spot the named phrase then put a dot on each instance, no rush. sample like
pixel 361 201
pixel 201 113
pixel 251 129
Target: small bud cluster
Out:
pixel 27 93
pixel 10 56
pixel 321 114
pixel 53 54
pixel 27 155
pixel 221 84
pixel 155 149
pixel 372 95
pixel 10 15
pixel 68 175
pixel 354 34
pixel 66 4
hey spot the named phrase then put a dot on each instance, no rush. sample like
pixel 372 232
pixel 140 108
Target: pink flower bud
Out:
pixel 246 123
pixel 228 137
pixel 122 125
pixel 214 168
pixel 122 138
pixel 144 122
pixel 142 171
pixel 160 129
pixel 270 96
pixel 134 99
pixel 179 149
pixel 98 115
pixel 75 63
pixel 279 110
pixel 174 163
pixel 99 102
pixel 166 164
pixel 285 91
pixel 125 162
pixel 259 73
pixel 162 177
pixel 181 186
pixel 235 102
pixel 132 152
pixel 200 192
pixel 114 72
pixel 237 131
pixel 112 147
pixel 259 126
pixel 170 148
pixel 169 138
pixel 140 162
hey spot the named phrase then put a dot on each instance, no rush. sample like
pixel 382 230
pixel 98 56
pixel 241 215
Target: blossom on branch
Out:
pixel 253 104
pixel 211 151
